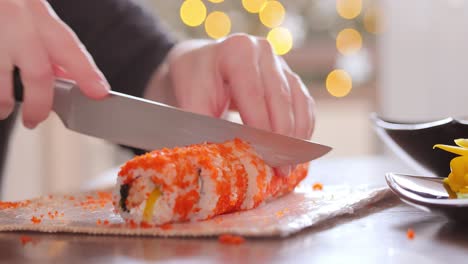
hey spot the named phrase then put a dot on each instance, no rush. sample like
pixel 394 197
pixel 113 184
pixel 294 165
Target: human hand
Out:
pixel 208 77
pixel 34 39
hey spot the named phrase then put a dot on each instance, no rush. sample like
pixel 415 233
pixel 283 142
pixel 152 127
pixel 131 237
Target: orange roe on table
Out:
pixel 410 234
pixel 25 240
pixel 231 239
pixel 35 220
pixel 13 205
pixel 106 222
pixel 98 222
pixel 51 215
pixel 91 203
pixel 105 195
pixel 279 214
pixel 317 186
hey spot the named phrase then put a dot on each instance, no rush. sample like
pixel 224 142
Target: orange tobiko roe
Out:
pixel 25 240
pixel 13 205
pixel 231 239
pixel 36 220
pixel 317 186
pixel 227 202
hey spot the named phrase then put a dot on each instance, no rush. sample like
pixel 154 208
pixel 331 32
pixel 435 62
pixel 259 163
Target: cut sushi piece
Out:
pixel 198 182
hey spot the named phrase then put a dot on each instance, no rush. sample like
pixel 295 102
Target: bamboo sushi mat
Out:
pixel 92 213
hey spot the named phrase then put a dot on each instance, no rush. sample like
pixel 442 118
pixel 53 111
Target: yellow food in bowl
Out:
pixel 457 180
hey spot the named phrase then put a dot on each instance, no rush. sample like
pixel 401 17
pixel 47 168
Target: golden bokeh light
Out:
pixel 216 1
pixel 217 24
pixel 348 41
pixel 272 14
pixel 339 83
pixel 281 40
pixel 372 18
pixel 349 9
pixel 253 6
pixel 193 12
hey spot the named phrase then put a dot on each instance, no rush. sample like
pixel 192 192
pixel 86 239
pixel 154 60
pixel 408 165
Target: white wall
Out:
pixel 424 59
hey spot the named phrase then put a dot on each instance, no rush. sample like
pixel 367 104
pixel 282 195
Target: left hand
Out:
pixel 209 77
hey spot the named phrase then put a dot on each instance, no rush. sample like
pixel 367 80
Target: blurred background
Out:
pixel 406 60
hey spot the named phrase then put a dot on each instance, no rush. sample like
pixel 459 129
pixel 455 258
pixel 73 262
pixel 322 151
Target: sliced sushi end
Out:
pixel 124 188
pixel 149 207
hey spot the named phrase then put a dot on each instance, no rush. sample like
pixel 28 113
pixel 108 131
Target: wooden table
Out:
pixel 374 235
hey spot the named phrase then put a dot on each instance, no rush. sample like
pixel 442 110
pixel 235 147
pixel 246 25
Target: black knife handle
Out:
pixel 17 85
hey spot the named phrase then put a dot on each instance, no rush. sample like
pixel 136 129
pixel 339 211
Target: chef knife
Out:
pixel 148 125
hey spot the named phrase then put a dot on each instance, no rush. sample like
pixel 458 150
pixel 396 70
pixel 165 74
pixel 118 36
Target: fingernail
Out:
pixel 29 124
pixel 102 87
pixel 5 111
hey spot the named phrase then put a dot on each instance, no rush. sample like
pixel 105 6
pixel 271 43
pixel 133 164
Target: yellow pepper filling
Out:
pixel 148 211
pixel 457 180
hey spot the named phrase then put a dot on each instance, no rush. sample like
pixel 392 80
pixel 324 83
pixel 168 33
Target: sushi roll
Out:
pixel 197 182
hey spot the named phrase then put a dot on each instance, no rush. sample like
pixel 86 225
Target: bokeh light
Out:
pixel 193 12
pixel 253 6
pixel 339 83
pixel 216 1
pixel 348 41
pixel 371 21
pixel 217 24
pixel 272 14
pixel 281 40
pixel 349 9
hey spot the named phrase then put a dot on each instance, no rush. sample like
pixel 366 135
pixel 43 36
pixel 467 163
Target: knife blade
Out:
pixel 148 125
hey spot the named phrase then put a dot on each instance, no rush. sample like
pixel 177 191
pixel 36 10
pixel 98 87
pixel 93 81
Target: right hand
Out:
pixel 33 38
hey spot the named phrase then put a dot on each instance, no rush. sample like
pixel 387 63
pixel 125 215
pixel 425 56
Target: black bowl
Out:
pixel 413 142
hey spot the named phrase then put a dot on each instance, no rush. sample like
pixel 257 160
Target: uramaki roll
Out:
pixel 198 182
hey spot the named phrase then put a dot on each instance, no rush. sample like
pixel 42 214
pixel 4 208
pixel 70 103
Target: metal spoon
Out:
pixel 429 194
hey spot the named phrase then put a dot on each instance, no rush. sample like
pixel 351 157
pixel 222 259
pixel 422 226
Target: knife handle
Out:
pixel 17 85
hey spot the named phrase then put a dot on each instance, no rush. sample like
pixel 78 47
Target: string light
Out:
pixel 272 14
pixel 281 40
pixel 339 83
pixel 217 24
pixel 349 9
pixel 348 41
pixel 193 12
pixel 253 6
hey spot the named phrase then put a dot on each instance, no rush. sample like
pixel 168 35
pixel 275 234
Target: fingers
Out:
pixel 195 87
pixel 303 105
pixel 239 66
pixel 277 91
pixel 34 38
pixel 7 102
pixel 37 78
pixel 65 50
